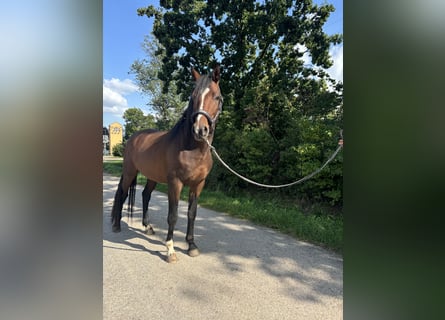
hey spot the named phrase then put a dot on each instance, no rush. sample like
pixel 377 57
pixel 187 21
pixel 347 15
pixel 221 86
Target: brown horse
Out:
pixel 177 157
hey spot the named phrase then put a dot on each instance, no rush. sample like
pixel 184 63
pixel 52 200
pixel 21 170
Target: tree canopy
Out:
pixel 282 111
pixel 135 120
pixel 167 104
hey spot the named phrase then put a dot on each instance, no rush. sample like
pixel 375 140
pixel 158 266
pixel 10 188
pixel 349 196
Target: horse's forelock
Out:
pixel 202 84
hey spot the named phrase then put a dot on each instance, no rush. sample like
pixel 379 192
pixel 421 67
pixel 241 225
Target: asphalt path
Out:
pixel 244 271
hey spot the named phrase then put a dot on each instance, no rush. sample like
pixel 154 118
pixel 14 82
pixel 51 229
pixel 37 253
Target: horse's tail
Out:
pixel 132 196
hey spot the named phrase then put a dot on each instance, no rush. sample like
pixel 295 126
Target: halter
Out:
pixel 211 121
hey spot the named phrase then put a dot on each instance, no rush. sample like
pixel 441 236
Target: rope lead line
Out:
pixel 274 186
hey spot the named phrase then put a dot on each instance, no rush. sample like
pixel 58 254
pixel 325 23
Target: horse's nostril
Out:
pixel 203 131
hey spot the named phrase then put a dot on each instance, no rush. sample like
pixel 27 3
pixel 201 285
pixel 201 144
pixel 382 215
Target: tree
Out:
pixel 167 105
pixel 279 102
pixel 250 39
pixel 135 120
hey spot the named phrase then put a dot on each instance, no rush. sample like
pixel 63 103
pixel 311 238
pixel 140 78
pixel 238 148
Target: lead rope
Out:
pixel 281 185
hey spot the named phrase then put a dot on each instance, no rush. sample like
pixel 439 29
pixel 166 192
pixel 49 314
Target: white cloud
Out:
pixel 124 87
pixel 114 92
pixel 336 71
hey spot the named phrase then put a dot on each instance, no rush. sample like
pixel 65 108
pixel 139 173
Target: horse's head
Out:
pixel 207 104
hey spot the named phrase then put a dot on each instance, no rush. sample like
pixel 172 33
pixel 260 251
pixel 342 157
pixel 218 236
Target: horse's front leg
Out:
pixel 174 190
pixel 194 193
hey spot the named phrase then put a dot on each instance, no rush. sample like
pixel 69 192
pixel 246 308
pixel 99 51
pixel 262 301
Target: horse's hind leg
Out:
pixel 146 195
pixel 119 199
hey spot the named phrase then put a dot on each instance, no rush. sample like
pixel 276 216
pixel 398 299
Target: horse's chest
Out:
pixel 194 167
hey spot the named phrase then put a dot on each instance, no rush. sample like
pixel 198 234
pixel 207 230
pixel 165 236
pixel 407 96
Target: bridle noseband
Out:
pixel 211 121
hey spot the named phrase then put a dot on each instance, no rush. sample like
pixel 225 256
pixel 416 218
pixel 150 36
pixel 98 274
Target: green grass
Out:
pixel 321 229
pixel 113 167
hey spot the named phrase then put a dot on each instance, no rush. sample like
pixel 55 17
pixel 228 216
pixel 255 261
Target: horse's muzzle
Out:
pixel 201 131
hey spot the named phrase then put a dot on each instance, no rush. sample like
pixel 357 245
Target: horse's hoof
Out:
pixel 193 252
pixel 149 231
pixel 172 258
pixel 116 228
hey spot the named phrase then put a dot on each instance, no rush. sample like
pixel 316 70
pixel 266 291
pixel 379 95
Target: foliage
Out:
pixel 118 150
pixel 135 120
pixel 282 111
pixel 167 105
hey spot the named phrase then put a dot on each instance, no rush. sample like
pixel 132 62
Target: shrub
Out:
pixel 118 150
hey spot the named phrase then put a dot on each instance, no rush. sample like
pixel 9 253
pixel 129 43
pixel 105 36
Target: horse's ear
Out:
pixel 216 75
pixel 195 74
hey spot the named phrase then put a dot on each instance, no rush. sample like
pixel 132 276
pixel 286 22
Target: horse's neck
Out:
pixel 190 143
pixel 182 134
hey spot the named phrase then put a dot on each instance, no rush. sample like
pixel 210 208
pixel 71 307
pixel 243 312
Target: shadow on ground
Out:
pixel 238 245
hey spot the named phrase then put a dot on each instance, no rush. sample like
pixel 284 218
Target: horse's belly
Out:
pixel 152 163
pixel 154 170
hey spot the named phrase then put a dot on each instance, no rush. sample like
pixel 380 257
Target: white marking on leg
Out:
pixel 170 248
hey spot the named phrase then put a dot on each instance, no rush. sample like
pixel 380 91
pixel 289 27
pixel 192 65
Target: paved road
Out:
pixel 244 271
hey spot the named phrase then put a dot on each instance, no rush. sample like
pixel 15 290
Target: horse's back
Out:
pixel 142 140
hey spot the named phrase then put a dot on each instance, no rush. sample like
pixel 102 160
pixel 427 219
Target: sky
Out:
pixel 123 34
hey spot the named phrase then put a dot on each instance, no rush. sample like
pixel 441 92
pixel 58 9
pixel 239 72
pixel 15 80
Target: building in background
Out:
pixel 115 135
